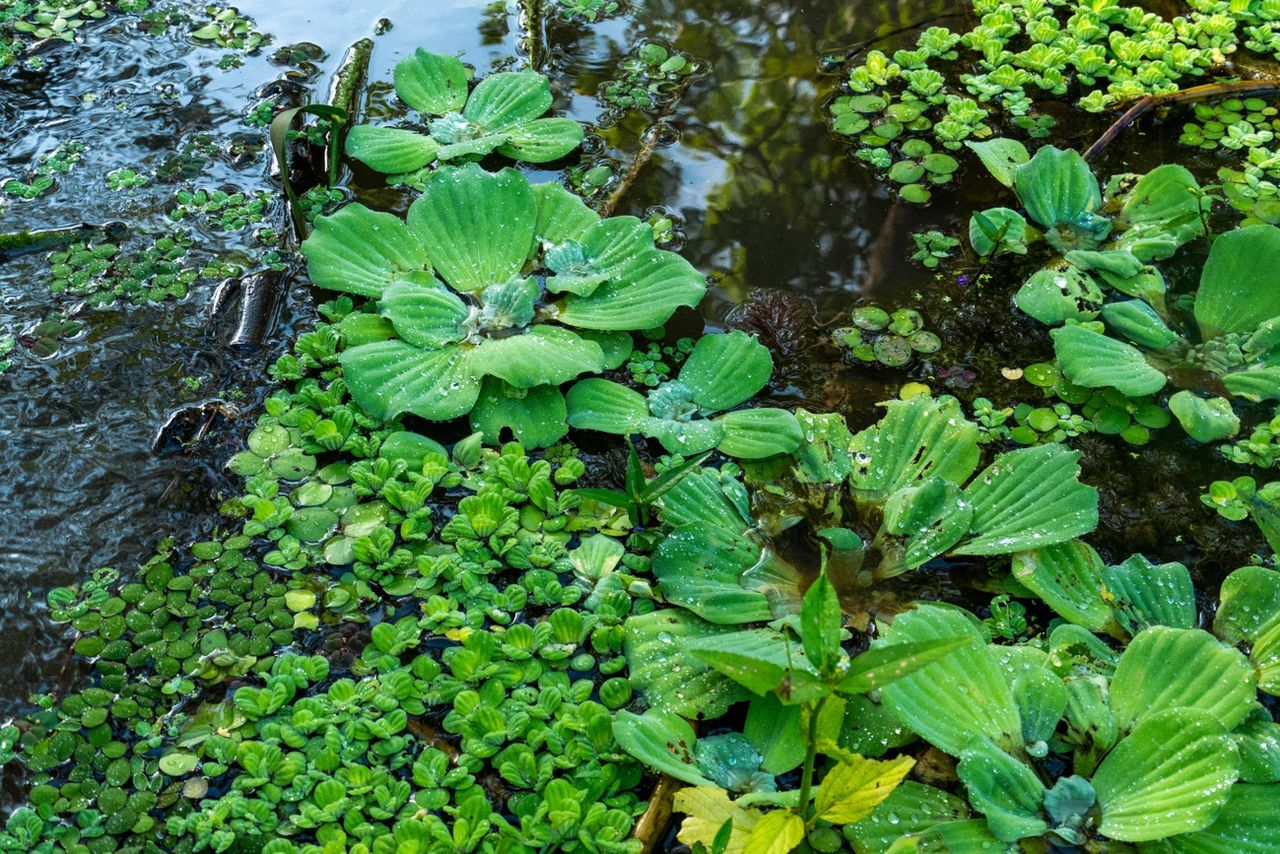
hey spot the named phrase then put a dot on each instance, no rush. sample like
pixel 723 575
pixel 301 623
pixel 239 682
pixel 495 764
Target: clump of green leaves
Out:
pixel 101 273
pixel 504 113
pixel 721 373
pixel 125 178
pixel 1261 449
pixel 647 78
pixel 60 161
pixel 1247 126
pixel 653 365
pixel 933 247
pixel 222 210
pixel 589 11
pixel 890 338
pixel 228 27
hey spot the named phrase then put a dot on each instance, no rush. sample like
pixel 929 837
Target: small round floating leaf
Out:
pixel 178 764
pixel 312 524
pixel 892 350
pixel 925 342
pixel 411 447
pixel 915 193
pixel 941 164
pixel 870 317
pixel 268 440
pixel 906 172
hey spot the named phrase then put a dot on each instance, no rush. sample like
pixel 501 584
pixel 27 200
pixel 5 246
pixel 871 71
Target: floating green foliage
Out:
pixel 102 273
pixel 42 180
pixel 889 338
pixel 649 77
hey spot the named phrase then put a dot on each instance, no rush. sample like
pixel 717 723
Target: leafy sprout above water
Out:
pixel 503 114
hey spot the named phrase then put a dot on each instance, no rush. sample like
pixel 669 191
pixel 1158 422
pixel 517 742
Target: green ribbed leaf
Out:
pixel 1148 594
pixel 1171 775
pixel 1249 613
pixel 1000 787
pixel 425 314
pixel 1027 499
pixel 701 567
pixel 1162 212
pixel 476 226
pixel 1093 360
pixel 561 214
pixel 1057 187
pixel 661 740
pixel 359 251
pixel 753 434
pixel 1247 824
pixel 535 416
pixel 917 438
pixel 1068 577
pixel 389 378
pixel 390 150
pixel 958 697
pixel 667 674
pixel 542 140
pixel 542 355
pixel 509 98
pixel 1239 288
pixel 596 404
pixel 431 83
pixel 1164 668
pixel 726 369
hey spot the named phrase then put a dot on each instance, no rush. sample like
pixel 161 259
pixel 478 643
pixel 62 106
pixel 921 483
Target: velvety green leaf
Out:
pixel 708 498
pixel 776 732
pixel 1161 213
pixel 661 740
pixel 1171 775
pixel 1120 263
pixel 388 378
pixel 504 100
pixel 1249 613
pixel 1059 293
pixel 932 516
pixel 476 226
pixel 561 214
pixel 618 249
pixel 1138 322
pixel 1002 157
pixel 753 434
pixel 1147 594
pixel 390 150
pixel 910 808
pixel 1029 498
pixel 359 251
pixel 1164 668
pixel 1042 700
pixel 541 140
pixel 1204 420
pixel 596 404
pixel 757 659
pixel 360 328
pixel 777 832
pixel 683 437
pixel 1258 740
pixel 543 355
pixel 1239 289
pixel 1247 824
pixel 647 292
pixel 1093 360
pixel 726 369
pixel 917 438
pixel 1068 577
pixel 1057 187
pixel 425 314
pixel 958 697
pixel 701 567
pixel 431 83
pixel 1000 787
pixel 535 416
pixel 1256 384
pixel 661 667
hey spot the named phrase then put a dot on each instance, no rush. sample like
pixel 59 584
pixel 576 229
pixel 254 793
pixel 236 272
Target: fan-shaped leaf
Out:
pixel 661 740
pixel 918 438
pixel 1059 293
pixel 1057 187
pixel 388 378
pixel 359 251
pixel 753 434
pixel 1029 498
pixel 661 667
pixel 425 314
pixel 1148 594
pixel 909 809
pixel 535 416
pixel 725 369
pixel 1068 577
pixel 957 697
pixel 1164 668
pixel 1000 787
pixel 476 226
pixel 561 215
pixel 390 150
pixel 543 355
pixel 1163 211
pixel 596 404
pixel 700 568
pixel 1239 287
pixel 649 290
pixel 1171 775
pixel 1247 824
pixel 430 83
pixel 1093 360
pixel 1249 613
pixel 504 100
pixel 541 140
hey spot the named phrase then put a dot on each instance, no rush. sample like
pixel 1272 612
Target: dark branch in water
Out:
pixel 649 143
pixel 1182 96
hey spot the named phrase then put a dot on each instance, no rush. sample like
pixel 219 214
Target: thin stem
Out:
pixel 810 757
pixel 1182 96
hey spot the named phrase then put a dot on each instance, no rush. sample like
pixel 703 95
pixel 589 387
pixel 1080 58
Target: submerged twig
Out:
pixel 533 23
pixel 651 826
pixel 259 308
pixel 16 243
pixel 349 80
pixel 1182 96
pixel 648 145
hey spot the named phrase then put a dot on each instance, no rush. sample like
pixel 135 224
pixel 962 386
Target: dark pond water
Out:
pixel 771 205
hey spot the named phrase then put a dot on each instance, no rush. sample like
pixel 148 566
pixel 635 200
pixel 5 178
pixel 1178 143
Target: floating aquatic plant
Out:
pixel 722 372
pixel 890 338
pixel 490 295
pixel 504 113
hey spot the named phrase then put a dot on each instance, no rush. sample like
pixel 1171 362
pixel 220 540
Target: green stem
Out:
pixel 810 757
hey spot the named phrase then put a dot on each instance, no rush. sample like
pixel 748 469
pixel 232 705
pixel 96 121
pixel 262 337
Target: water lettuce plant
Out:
pixel 489 295
pixel 504 113
pixel 722 372
pixel 1186 759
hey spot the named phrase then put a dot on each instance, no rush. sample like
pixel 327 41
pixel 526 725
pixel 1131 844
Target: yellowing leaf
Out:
pixel 777 833
pixel 707 809
pixel 852 789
